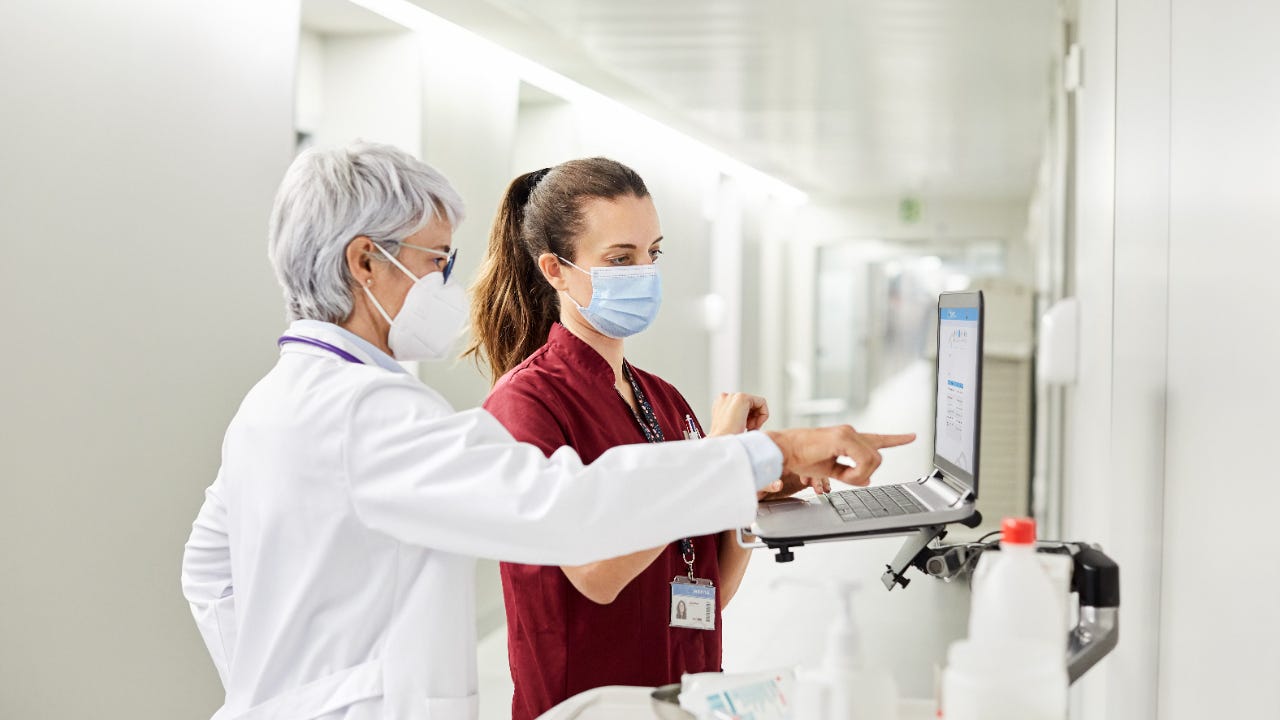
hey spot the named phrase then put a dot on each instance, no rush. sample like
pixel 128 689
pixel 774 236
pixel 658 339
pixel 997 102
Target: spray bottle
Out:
pixel 846 686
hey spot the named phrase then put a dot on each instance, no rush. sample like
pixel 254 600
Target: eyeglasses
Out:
pixel 447 258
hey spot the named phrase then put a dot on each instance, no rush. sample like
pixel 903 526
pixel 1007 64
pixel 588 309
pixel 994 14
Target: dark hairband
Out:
pixel 536 177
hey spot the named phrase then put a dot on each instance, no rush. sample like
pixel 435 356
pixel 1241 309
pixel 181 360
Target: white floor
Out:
pixel 494 676
pixel 774 624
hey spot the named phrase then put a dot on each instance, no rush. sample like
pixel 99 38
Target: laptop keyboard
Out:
pixel 874 502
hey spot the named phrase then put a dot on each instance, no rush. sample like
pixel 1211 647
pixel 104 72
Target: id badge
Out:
pixel 693 603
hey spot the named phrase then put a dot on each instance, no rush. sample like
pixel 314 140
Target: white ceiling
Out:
pixel 843 98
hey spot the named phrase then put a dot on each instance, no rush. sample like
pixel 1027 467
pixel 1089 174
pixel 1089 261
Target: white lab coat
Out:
pixel 331 571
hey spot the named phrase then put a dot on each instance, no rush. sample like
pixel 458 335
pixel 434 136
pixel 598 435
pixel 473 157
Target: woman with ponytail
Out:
pixel 570 273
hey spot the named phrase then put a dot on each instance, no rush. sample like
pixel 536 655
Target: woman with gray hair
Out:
pixel 331 567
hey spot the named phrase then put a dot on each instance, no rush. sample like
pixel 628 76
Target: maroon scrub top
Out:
pixel 560 642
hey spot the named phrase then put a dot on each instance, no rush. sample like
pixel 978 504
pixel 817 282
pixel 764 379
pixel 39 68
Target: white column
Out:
pixel 142 145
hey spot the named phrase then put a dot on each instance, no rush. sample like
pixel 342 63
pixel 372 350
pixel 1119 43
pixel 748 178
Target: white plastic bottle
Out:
pixel 1016 598
pixel 1013 665
pixel 846 687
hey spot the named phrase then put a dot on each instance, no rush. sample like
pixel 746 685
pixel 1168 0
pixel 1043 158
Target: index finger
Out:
pixel 887 441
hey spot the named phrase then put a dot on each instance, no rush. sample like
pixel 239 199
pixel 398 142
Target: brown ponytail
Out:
pixel 513 306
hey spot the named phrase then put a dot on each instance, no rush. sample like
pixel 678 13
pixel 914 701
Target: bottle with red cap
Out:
pixel 1013 665
pixel 1014 597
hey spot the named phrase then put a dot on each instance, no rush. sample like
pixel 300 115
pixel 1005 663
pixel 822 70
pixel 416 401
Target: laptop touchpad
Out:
pixel 774 507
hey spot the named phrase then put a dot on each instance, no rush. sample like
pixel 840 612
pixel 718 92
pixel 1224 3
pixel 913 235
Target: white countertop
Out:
pixel 633 703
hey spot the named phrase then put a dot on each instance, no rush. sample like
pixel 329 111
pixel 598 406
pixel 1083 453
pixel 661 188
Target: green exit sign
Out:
pixel 909 210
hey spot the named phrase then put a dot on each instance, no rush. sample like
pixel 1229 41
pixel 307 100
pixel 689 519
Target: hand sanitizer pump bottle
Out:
pixel 846 687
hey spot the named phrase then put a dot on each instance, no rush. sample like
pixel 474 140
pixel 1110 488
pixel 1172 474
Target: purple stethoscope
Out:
pixel 320 344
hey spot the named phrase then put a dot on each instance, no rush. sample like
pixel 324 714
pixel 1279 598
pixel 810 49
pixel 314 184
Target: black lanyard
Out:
pixel 645 418
pixel 648 422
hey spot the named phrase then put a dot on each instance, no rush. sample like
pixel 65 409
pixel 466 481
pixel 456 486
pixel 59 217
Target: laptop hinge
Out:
pixel 959 490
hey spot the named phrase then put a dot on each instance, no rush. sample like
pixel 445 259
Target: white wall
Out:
pixel 308 113
pixel 142 143
pixel 1220 635
pixel 1139 348
pixel 1179 201
pixel 370 90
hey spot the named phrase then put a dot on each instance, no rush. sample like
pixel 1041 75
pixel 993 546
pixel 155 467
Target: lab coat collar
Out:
pixel 345 339
pixel 580 355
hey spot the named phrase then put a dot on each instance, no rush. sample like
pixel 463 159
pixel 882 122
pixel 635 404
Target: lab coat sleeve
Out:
pixel 460 483
pixel 206 580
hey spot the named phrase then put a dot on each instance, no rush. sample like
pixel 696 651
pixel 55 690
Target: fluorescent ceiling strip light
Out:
pixel 409 15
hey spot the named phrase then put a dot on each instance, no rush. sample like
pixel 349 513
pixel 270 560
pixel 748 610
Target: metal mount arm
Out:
pixel 1095 578
pixel 916 545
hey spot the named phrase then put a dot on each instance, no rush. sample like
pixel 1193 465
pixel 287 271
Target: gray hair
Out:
pixel 329 197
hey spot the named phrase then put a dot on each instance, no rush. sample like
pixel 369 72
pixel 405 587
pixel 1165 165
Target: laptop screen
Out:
pixel 959 385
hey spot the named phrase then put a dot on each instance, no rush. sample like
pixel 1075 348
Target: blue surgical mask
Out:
pixel 624 299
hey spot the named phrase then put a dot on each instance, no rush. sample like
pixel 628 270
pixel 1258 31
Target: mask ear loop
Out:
pixel 575 267
pixel 376 304
pixel 566 292
pixel 369 292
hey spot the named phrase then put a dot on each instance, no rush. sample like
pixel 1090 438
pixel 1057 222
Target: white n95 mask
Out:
pixel 430 319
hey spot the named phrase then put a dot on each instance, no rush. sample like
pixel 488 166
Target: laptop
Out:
pixel 947 493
